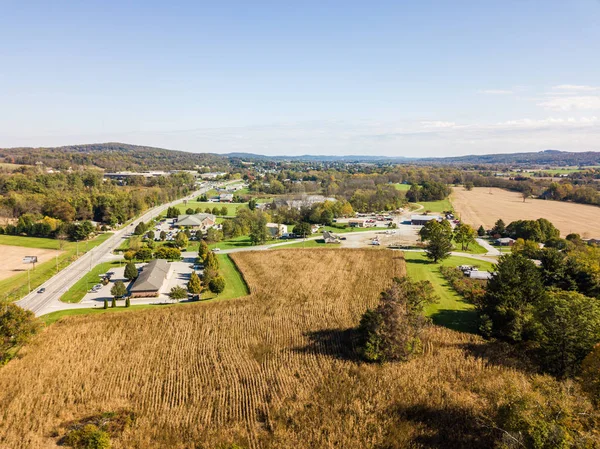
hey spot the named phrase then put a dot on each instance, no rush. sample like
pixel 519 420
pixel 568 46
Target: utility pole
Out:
pixel 77 248
pixel 29 279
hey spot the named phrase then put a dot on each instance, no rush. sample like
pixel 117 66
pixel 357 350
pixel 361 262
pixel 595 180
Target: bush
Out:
pixel 178 293
pixel 87 437
pixel 17 326
pixel 217 285
pixel 471 289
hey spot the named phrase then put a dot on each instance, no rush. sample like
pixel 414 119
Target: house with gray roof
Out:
pixel 151 279
pixel 421 220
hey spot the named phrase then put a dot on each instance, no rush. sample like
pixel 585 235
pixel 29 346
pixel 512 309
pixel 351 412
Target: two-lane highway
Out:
pixel 57 285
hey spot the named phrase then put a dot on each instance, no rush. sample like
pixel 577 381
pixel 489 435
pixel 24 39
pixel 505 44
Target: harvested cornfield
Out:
pixel 272 370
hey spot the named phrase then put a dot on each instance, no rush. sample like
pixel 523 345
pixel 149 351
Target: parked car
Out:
pixel 41 290
pixel 216 250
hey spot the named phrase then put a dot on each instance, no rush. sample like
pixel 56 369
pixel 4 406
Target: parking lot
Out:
pixel 178 275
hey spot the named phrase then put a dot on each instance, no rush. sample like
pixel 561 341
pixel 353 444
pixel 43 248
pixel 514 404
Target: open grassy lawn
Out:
pixel 314 243
pixel 436 206
pixel 235 287
pixel 82 286
pixel 474 248
pixel 15 287
pixel 237 242
pixel 452 310
pixel 402 187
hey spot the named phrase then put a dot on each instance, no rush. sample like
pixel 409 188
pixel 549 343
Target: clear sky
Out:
pixel 397 78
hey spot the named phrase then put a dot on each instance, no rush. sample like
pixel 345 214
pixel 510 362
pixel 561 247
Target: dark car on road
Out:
pixel 41 290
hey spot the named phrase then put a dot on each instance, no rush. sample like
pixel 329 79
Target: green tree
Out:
pixel 87 437
pixel 150 235
pixel 499 228
pixel 569 327
pixel 178 293
pixel 118 290
pixel 189 211
pixel 208 210
pixel 392 330
pixel 481 231
pixel 214 235
pixel 17 326
pixel 143 254
pixel 304 229
pixel 438 247
pixel 468 186
pixel 215 210
pixel 127 302
pixel 511 295
pixel 217 284
pixel 105 304
pixel 465 235
pixel 211 262
pixel 131 271
pixel 224 211
pixel 113 302
pixel 203 250
pixel 140 229
pixel 181 240
pixel 252 204
pixel 163 236
pixel 194 285
pixel 258 229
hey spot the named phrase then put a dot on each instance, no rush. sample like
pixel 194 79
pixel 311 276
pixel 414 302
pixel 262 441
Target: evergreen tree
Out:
pixel 194 285
pixel 131 271
pixel 105 304
pixel 113 303
pixel 118 290
pixel 481 231
pixel 127 302
pixel 511 295
pixel 203 250
pixel 438 247
pixel 217 284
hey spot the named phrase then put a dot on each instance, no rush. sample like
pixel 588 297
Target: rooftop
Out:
pixel 152 276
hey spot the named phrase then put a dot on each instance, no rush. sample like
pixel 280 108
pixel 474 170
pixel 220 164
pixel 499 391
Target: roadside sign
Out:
pixel 30 259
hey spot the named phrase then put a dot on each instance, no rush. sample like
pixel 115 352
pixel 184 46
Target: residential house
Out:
pixel 276 230
pixel 330 237
pixel 505 241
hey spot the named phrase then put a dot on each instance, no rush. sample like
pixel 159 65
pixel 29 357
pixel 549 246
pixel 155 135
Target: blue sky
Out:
pixel 394 78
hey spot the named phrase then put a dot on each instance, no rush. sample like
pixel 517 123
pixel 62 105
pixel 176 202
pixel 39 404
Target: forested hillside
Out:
pixel 112 157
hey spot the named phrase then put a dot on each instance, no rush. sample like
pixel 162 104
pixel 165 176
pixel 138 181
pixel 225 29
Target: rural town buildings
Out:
pixel 276 229
pixel 421 220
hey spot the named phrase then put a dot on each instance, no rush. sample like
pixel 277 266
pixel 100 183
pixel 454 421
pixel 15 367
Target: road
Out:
pixel 57 285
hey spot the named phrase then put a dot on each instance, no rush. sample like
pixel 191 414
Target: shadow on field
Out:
pixel 457 320
pixel 336 343
pixel 449 427
pixel 502 354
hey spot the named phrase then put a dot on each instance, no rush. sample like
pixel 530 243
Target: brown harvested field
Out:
pixel 479 207
pixel 272 370
pixel 12 258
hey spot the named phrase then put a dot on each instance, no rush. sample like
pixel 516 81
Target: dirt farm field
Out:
pixel 12 258
pixel 479 207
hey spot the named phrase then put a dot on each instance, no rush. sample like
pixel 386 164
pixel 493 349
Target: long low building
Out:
pixel 196 221
pixel 421 220
pixel 151 279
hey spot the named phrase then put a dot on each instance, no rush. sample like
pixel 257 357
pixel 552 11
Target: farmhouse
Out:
pixel 151 279
pixel 330 238
pixel 421 220
pixel 505 241
pixel 196 221
pixel 276 229
pixel 226 197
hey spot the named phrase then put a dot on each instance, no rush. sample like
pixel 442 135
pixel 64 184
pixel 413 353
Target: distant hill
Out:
pixel 112 156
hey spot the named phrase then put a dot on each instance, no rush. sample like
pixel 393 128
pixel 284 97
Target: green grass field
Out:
pixel 83 285
pixel 436 206
pixel 15 287
pixel 402 187
pixel 314 243
pixel 235 287
pixel 452 310
pixel 474 248
pixel 237 242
